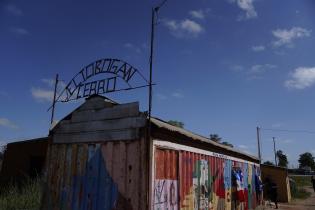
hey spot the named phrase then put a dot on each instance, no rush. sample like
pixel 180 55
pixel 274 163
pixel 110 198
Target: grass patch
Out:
pixel 302 181
pixel 26 197
pixel 298 186
pixel 301 193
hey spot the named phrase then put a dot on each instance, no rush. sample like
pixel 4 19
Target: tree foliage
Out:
pixel 269 163
pixel 282 159
pixel 176 123
pixel 227 144
pixel 215 137
pixel 306 159
pixel 218 139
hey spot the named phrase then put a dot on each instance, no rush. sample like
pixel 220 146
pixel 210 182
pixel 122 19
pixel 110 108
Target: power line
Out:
pixel 288 131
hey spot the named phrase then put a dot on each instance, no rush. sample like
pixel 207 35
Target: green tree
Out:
pixel 176 123
pixel 269 163
pixel 218 139
pixel 215 137
pixel 282 159
pixel 306 159
pixel 227 144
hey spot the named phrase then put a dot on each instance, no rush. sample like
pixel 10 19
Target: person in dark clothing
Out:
pixel 313 181
pixel 274 193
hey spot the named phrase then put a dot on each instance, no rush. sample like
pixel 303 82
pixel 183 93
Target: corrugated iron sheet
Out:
pixel 162 124
pixel 187 180
pixel 105 176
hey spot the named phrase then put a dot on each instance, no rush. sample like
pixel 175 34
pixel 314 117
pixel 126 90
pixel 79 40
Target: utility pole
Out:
pixel 149 143
pixel 258 142
pixel 151 61
pixel 54 101
pixel 154 12
pixel 274 149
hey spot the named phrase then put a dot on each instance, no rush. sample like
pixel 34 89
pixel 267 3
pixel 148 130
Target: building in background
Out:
pixel 23 159
pixel 279 176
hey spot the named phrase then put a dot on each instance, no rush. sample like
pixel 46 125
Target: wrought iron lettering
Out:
pixel 80 87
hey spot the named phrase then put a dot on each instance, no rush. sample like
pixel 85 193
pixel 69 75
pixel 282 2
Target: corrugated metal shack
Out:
pixel 100 158
pixel 279 176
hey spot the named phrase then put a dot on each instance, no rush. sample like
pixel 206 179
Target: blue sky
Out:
pixel 221 66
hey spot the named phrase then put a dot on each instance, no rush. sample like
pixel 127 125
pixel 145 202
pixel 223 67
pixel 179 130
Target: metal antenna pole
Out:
pixel 274 149
pixel 54 101
pixel 258 142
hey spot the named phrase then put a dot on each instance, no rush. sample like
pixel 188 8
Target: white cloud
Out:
pixel 285 37
pixel 175 94
pixel 161 96
pixel 257 71
pixel 253 72
pixel 185 28
pixel 237 68
pixel 42 95
pixel 46 93
pixel 14 10
pixel 178 95
pixel 7 123
pixel 258 48
pixel 277 125
pixel 132 47
pixel 199 14
pixel 243 146
pixel 247 6
pixel 20 31
pixel 191 27
pixel 49 82
pixel 287 141
pixel 301 78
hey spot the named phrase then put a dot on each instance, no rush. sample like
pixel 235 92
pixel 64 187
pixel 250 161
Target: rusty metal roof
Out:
pixel 162 124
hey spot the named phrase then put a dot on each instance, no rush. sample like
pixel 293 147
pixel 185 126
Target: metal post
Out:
pixel 151 61
pixel 148 140
pixel 258 142
pixel 54 101
pixel 274 149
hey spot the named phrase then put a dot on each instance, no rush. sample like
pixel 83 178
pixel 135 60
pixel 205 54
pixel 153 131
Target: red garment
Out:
pixel 240 196
pixel 220 190
pixel 246 199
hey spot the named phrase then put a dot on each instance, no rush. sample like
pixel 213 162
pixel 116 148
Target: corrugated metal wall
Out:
pixel 187 180
pixel 105 176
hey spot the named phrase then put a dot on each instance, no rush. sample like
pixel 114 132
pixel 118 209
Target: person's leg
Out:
pixel 276 203
pixel 276 200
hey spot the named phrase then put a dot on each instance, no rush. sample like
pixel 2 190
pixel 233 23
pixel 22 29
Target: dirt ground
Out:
pixel 308 204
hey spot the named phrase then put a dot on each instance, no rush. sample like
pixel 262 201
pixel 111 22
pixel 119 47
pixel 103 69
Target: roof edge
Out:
pixel 163 124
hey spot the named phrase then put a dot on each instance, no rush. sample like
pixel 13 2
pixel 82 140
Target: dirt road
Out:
pixel 308 204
